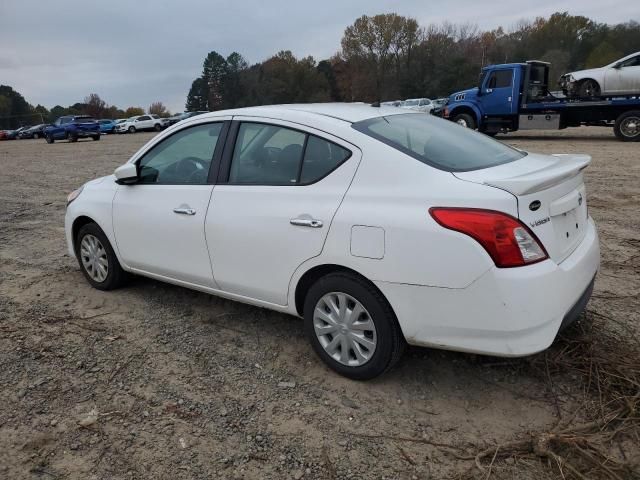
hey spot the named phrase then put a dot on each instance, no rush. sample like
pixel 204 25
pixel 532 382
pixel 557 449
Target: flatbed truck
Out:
pixel 516 96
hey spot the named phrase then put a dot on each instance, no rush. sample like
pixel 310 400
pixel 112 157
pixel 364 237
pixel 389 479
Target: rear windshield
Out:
pixel 439 143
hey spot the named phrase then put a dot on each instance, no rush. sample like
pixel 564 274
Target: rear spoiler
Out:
pixel 545 177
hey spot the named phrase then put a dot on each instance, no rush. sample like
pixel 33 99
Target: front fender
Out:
pixel 455 109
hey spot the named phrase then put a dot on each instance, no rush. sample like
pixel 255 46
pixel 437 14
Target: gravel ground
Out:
pixel 156 381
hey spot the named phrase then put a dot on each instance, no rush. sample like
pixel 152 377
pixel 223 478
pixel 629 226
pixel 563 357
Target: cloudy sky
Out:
pixel 135 52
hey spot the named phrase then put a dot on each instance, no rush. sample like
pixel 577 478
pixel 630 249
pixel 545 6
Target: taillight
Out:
pixel 508 241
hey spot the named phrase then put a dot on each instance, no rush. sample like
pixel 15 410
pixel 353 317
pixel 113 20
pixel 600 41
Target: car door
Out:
pixel 144 122
pixel 625 78
pixel 278 190
pixel 159 221
pixel 496 93
pixel 59 131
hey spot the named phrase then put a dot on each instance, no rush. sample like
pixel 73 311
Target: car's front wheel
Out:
pixel 96 137
pixel 157 127
pixel 36 135
pixel 132 129
pixel 352 327
pixel 49 138
pixel 97 259
pixel 588 89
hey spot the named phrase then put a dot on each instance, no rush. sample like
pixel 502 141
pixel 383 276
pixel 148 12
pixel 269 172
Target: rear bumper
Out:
pixel 505 312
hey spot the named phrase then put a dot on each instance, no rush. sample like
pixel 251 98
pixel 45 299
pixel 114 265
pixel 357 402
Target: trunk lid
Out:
pixel 551 196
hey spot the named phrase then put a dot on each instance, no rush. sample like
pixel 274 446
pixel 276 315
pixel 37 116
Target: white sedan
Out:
pixel 423 105
pixel 621 77
pixel 379 226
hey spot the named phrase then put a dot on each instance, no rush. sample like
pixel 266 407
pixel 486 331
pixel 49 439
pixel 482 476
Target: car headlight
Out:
pixel 73 195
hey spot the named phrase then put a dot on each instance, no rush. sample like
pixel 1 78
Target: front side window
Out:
pixel 273 155
pixel 144 117
pixel 183 158
pixel 500 79
pixel 632 62
pixel 439 143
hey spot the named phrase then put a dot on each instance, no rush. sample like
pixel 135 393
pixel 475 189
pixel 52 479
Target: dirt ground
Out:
pixel 155 381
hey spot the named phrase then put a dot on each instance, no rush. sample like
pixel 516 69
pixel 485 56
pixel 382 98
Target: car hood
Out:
pixel 464 95
pixel 580 74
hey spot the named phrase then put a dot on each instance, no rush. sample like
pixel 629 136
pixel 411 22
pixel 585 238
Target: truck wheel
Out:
pixel 72 138
pixel 588 88
pixel 49 138
pixel 465 120
pixel 132 129
pixel 627 126
pixel 157 127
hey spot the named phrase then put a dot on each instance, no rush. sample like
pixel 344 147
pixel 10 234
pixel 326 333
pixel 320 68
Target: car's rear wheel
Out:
pixel 465 120
pixel 49 138
pixel 351 326
pixel 132 129
pixel 36 135
pixel 588 89
pixel 627 126
pixel 96 137
pixel 72 137
pixel 157 127
pixel 97 259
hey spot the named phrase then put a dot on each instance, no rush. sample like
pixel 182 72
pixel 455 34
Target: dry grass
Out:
pixel 600 439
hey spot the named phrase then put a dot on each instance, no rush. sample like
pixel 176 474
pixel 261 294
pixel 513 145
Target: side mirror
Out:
pixel 126 174
pixel 618 65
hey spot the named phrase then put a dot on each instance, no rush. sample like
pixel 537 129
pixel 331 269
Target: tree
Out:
pixel 214 70
pixel 94 105
pixel 133 111
pixel 197 96
pixel 13 107
pixel 233 91
pixel 158 108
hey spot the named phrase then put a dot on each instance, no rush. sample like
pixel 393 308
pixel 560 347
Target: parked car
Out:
pixel 376 225
pixel 14 134
pixel 394 103
pixel 143 122
pixel 121 124
pixel 71 128
pixel 3 135
pixel 418 104
pixel 438 106
pixel 107 125
pixel 183 116
pixel 619 78
pixel 37 131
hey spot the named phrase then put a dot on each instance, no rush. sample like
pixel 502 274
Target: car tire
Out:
pixel 49 138
pixel 157 127
pixel 465 120
pixel 96 137
pixel 627 126
pixel 588 89
pixel 132 129
pixel 95 250
pixel 72 137
pixel 36 135
pixel 386 336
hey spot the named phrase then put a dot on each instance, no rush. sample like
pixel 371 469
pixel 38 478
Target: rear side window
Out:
pixel 273 155
pixel 500 79
pixel 439 143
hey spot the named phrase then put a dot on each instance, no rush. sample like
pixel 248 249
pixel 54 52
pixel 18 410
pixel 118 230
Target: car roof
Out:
pixel 344 112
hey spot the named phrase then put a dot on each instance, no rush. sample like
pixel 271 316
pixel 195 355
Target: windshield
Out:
pixel 439 143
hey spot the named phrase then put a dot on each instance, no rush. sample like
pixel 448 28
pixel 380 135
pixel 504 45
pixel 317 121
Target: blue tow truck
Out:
pixel 516 96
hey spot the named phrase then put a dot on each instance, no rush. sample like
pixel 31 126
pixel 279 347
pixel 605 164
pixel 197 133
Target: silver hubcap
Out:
pixel 94 258
pixel 344 329
pixel 630 127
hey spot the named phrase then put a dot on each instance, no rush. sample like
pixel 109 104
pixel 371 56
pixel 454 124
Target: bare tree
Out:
pixel 95 106
pixel 158 108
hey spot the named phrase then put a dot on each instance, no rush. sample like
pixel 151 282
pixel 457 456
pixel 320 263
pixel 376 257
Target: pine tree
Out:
pixel 214 71
pixel 197 97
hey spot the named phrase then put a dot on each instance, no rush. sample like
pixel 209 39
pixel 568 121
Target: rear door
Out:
pixel 551 194
pixel 624 79
pixel 279 187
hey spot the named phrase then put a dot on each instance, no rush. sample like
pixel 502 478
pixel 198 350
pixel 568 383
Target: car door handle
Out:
pixel 184 211
pixel 306 222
